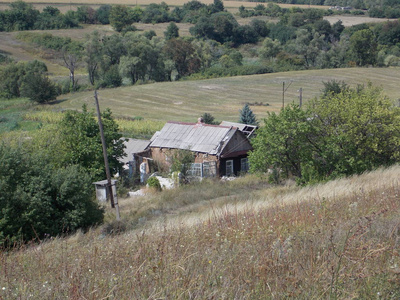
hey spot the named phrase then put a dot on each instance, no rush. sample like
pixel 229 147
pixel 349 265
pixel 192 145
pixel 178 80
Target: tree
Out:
pixel 156 13
pixel 172 31
pixel 103 14
pixel 120 17
pixel 260 27
pixel 269 48
pixel 359 129
pixel 283 142
pixel 128 67
pixel 21 16
pixel 143 60
pixel 10 79
pixel 82 144
pixel 364 47
pixel 93 55
pixel 247 116
pixel 217 6
pixel 339 134
pixel 38 201
pixel 27 80
pixel 86 14
pixel 38 87
pixel 72 54
pixel 209 119
pixel 184 56
pixel 334 87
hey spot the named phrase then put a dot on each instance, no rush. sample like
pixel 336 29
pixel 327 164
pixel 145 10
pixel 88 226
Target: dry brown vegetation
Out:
pixel 338 240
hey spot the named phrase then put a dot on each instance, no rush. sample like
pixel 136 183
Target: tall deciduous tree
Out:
pixel 363 45
pixel 184 56
pixel 93 55
pixel 283 142
pixel 72 55
pixel 120 17
pixel 82 144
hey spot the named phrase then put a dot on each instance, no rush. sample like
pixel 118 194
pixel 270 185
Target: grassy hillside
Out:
pixel 223 97
pixel 332 241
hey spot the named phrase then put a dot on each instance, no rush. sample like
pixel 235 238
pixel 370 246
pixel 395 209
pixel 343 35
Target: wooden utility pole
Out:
pixel 114 202
pixel 283 93
pixel 301 97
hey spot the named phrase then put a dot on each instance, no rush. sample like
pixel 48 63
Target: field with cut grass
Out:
pixel 232 240
pixel 223 97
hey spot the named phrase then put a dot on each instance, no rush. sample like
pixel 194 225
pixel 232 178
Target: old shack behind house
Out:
pixel 135 153
pixel 219 150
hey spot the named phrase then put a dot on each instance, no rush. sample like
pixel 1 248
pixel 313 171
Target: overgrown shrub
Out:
pixel 153 182
pixel 38 201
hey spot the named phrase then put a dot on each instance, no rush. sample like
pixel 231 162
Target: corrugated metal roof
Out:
pixel 198 137
pixel 133 146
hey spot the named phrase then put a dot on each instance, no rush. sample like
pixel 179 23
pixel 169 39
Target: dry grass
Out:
pixel 313 245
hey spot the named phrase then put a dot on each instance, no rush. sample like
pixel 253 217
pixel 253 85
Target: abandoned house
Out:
pixel 218 150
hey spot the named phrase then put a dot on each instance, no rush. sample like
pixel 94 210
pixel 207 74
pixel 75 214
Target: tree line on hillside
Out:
pixel 344 132
pixel 376 9
pixel 301 39
pixel 46 181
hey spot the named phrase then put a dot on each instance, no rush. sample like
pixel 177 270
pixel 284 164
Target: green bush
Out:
pixel 153 182
pixel 38 201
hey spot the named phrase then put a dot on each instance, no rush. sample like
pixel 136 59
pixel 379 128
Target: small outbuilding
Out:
pixel 102 193
pixel 135 152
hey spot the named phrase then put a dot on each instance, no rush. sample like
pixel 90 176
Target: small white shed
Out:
pixel 101 190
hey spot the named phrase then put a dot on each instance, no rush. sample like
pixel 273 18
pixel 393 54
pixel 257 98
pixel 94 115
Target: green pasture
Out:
pixel 224 97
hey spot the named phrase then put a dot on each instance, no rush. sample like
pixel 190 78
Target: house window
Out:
pixel 194 170
pixel 244 164
pixel 229 168
pixel 209 169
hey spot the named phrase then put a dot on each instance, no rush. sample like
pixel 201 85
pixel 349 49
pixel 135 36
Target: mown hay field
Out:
pixel 224 97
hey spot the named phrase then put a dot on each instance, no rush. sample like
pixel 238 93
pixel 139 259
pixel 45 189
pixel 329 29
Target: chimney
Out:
pixel 200 120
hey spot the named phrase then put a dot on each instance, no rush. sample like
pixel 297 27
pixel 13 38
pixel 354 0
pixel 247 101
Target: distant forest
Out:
pixel 376 9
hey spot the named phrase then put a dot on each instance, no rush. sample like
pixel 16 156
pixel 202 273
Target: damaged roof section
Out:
pixel 248 130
